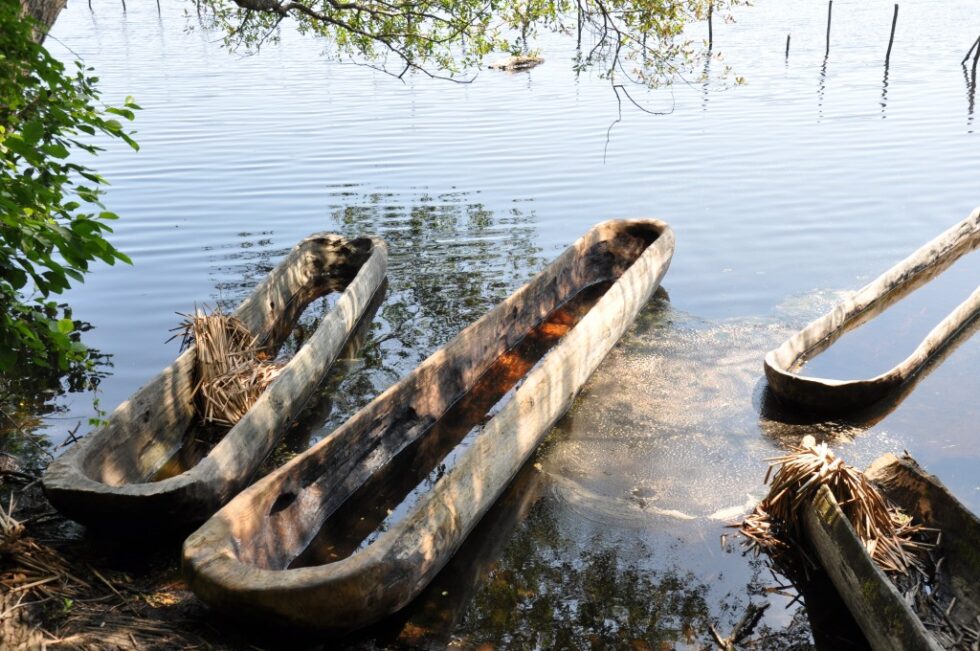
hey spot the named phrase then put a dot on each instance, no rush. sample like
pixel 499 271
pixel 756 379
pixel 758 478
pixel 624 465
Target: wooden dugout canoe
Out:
pixel 783 364
pixel 107 479
pixel 885 618
pixel 239 560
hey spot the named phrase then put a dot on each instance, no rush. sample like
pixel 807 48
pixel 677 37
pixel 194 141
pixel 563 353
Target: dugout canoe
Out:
pixel 886 619
pixel 784 366
pixel 243 560
pixel 106 480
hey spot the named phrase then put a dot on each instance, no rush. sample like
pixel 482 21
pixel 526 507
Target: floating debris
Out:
pixel 517 63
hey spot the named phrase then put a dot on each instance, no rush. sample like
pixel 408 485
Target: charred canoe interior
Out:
pixel 144 463
pixel 924 327
pixel 388 495
pixel 436 449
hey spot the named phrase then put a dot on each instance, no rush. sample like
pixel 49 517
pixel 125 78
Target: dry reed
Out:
pixel 232 370
pixel 775 526
pixel 30 574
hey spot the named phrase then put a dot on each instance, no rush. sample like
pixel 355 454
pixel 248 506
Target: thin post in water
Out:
pixel 830 11
pixel 976 44
pixel 976 60
pixel 891 39
pixel 787 46
pixel 711 8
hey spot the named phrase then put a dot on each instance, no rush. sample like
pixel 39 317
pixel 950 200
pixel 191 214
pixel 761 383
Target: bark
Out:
pixel 43 11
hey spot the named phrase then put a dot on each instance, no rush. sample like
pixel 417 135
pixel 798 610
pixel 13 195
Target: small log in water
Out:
pixel 976 44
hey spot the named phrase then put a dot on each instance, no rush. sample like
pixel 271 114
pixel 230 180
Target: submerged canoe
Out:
pixel 244 559
pixel 886 619
pixel 784 365
pixel 108 478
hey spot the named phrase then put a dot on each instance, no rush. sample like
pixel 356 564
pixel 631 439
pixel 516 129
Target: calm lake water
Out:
pixel 784 194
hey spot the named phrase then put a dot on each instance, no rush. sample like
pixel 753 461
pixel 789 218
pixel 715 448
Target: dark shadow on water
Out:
pixel 29 397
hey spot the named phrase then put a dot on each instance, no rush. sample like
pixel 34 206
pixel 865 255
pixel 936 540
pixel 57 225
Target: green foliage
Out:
pixel 642 41
pixel 52 220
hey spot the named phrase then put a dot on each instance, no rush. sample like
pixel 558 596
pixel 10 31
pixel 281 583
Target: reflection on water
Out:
pixel 32 397
pixel 881 342
pixel 391 493
pixel 782 192
pixel 450 260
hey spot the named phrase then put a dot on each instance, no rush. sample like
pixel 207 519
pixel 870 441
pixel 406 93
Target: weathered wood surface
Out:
pixel 237 560
pixel 885 618
pixel 106 479
pixel 831 395
pixel 923 495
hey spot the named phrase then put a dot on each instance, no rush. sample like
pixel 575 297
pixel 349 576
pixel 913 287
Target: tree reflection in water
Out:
pixel 450 260
pixel 522 581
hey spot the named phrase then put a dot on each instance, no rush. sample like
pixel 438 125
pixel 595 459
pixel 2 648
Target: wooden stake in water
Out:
pixel 830 11
pixel 711 8
pixel 891 39
pixel 787 46
pixel 976 44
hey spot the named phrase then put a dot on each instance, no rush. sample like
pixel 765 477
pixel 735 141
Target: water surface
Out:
pixel 784 194
pixel 889 333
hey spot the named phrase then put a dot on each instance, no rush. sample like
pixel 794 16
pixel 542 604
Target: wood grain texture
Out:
pixel 105 479
pixel 832 395
pixel 237 560
pixel 922 494
pixel 885 618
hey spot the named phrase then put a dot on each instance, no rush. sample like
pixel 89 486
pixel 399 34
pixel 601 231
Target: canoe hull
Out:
pixel 884 617
pixel 831 395
pixel 236 561
pixel 105 479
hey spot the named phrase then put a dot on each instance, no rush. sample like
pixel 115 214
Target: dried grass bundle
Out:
pixel 232 371
pixel 776 524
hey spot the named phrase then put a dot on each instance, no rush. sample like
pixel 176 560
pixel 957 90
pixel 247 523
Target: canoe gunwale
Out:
pixel 886 619
pixel 833 395
pixel 193 495
pixel 385 575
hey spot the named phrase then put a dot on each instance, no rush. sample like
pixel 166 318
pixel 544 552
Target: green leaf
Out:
pixel 56 149
pixel 65 326
pixel 129 115
pixel 32 132
pixel 7 358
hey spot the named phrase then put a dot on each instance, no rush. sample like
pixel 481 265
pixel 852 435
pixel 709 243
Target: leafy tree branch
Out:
pixel 52 220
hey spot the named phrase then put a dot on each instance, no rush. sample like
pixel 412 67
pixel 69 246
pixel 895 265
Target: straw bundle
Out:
pixel 775 526
pixel 232 371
